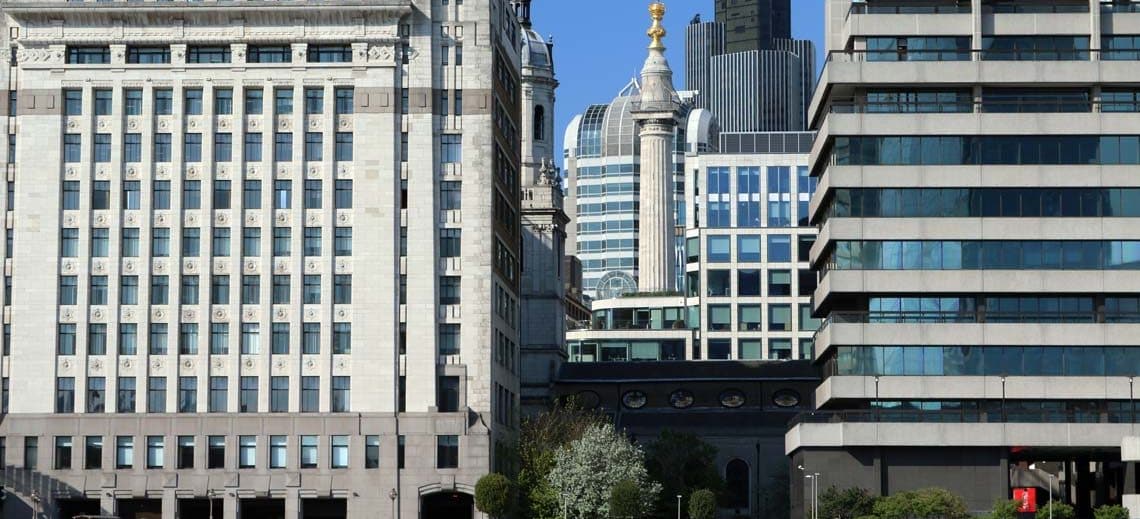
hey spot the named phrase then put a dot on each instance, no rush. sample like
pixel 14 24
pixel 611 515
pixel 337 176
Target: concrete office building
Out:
pixel 747 70
pixel 259 252
pixel 978 250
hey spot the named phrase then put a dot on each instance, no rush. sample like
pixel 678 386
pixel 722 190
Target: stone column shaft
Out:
pixel 655 228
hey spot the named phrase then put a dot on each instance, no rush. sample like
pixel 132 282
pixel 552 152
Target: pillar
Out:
pixel 655 233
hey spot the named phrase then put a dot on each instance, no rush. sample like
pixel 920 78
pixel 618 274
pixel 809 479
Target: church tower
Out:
pixel 544 222
pixel 657 112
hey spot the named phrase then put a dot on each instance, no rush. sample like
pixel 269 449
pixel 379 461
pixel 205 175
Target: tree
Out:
pixel 1060 511
pixel 541 436
pixel 848 503
pixel 625 500
pixel 494 495
pixel 927 503
pixel 586 469
pixel 1110 512
pixel 702 504
pixel 1004 509
pixel 682 463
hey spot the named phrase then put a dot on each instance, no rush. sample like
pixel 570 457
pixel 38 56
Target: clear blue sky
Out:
pixel 600 44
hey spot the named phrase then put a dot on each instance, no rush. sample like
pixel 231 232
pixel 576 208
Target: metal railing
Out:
pixel 677 324
pixel 1120 7
pixel 962 416
pixel 991 106
pixel 971 316
pixel 921 55
pixel 862 8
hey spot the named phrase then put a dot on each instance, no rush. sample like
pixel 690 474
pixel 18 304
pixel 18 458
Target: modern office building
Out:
pixel 747 70
pixel 978 248
pixel 261 257
pixel 747 282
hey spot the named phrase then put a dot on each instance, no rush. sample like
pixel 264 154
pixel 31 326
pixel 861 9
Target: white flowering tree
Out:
pixel 587 469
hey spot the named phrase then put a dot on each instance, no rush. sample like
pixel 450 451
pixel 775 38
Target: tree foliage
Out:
pixel 682 463
pixel 848 503
pixel 541 436
pixel 927 503
pixel 494 494
pixel 587 468
pixel 1004 509
pixel 1110 512
pixel 1060 511
pixel 702 504
pixel 625 500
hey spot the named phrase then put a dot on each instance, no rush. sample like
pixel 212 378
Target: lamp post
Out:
pixel 392 494
pixel 811 494
pixel 678 506
pixel 815 495
pixel 1051 478
pixel 210 500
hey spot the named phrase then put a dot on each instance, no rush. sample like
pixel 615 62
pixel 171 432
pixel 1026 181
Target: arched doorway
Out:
pixel 736 476
pixel 447 505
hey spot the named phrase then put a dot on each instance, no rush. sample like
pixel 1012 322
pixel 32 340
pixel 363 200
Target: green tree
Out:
pixel 1110 512
pixel 1004 509
pixel 1060 511
pixel 625 500
pixel 586 469
pixel 682 463
pixel 494 495
pixel 926 503
pixel 541 436
pixel 847 503
pixel 702 504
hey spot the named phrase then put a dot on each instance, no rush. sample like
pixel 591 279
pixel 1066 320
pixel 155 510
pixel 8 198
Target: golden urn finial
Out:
pixel 656 32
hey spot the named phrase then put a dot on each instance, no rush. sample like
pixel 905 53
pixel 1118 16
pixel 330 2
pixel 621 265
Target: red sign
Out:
pixel 1026 498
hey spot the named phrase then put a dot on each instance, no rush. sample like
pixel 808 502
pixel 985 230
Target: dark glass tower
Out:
pixel 754 24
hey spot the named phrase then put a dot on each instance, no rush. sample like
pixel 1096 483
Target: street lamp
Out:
pixel 1051 478
pixel 815 495
pixel 392 494
pixel 678 506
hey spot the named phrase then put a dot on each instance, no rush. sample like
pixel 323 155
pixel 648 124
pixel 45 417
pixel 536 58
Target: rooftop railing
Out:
pixel 919 55
pixel 990 317
pixel 993 106
pixel 962 416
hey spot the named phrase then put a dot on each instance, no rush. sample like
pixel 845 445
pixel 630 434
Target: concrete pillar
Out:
pixel 107 504
pixel 655 233
pixel 292 504
pixel 169 503
pixel 230 505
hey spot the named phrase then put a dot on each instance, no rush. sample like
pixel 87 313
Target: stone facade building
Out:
pixel 262 252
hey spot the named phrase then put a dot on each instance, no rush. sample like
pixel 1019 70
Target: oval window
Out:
pixel 786 398
pixel 681 398
pixel 732 398
pixel 634 399
pixel 587 399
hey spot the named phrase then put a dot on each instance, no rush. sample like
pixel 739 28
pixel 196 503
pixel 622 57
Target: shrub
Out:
pixel 1110 512
pixel 494 494
pixel 1060 511
pixel 625 500
pixel 702 504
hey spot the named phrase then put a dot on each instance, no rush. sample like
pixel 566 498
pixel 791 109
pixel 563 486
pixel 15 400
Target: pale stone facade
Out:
pixel 279 155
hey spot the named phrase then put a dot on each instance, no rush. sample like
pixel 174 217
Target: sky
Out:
pixel 599 45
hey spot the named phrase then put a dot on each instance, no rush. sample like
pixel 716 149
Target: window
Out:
pixel 269 54
pixel 310 394
pixel 400 441
pixel 220 289
pixel 779 248
pixel 250 289
pixel 312 193
pixel 88 55
pixel 130 246
pixel 779 349
pixel 68 290
pixel 128 338
pixel 191 241
pixel 97 339
pixel 340 395
pixel 71 147
pixel 314 100
pixel 314 147
pixel 450 148
pixel 447 451
pixel 719 207
pixel 208 54
pixel 219 338
pixel 277 452
pixel 311 289
pixel 447 395
pixel 283 101
pixel 330 53
pixel 101 194
pixel 444 101
pixel 124 452
pixel 100 243
pixel 125 396
pixel 162 147
pixel 224 98
pixel 282 194
pixel 253 101
pixel 779 283
pixel 192 148
pixel 342 245
pixel 449 339
pixel 342 289
pixel 344 101
pixel 132 148
pixel 158 338
pixel 215 452
pixel 247 452
pixel 65 395
pixel 253 148
pixel 133 101
pixel 279 339
pixel 449 243
pixel 70 195
pixel 69 242
pixel 223 152
pixel 780 318
pixel 219 388
pixel 96 394
pixel 251 197
pixel 719 249
pixel 148 55
pixel 749 318
pixel 66 339
pixel 250 337
pixel 339 452
pixel 310 338
pixel 342 338
pixel 102 147
pixel 343 194
pixel 192 100
pixel 191 194
pixel 189 290
pixel 308 452
pixel 72 102
pixel 160 242
pixel 93 452
pixel 159 290
pixel 163 101
pixel 343 151
pixel 280 289
pixel 278 394
pixel 185 452
pixel 154 452
pixel 371 451
pixel 161 194
pixel 451 195
pixel 449 293
pixel 62 453
pixel 248 400
pixel 188 338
